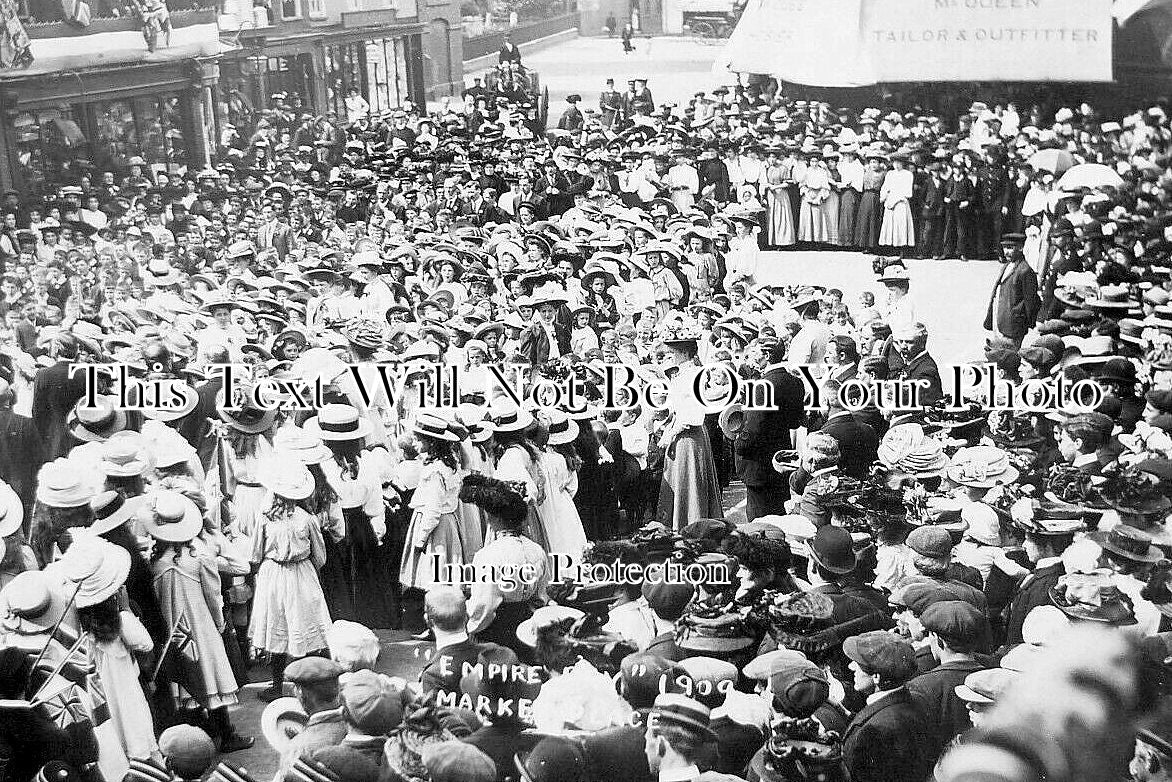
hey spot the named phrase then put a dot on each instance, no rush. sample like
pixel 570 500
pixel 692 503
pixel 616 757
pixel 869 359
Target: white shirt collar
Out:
pixel 679 774
pixel 443 640
pixel 1084 458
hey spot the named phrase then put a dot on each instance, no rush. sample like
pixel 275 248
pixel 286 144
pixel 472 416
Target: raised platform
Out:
pixel 950 296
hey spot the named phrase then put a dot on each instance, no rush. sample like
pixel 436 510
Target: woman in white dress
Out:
pixel 433 537
pixel 519 460
pixel 560 463
pixel 744 253
pixel 897 229
pixel 289 613
pixel 813 225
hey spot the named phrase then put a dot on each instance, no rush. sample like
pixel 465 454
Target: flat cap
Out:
pixel 309 670
pixel 880 652
pixel 955 621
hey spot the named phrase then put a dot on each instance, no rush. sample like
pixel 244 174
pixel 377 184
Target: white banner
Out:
pixel 989 40
pixel 846 43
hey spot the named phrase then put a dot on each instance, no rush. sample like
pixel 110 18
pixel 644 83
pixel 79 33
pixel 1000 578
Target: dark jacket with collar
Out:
pixel 923 367
pixel 857 442
pixel 447 667
pixel 54 395
pixel 945 715
pixel 765 432
pixel 1033 591
pixel 664 645
pixel 1014 303
pixel 885 741
pixel 535 343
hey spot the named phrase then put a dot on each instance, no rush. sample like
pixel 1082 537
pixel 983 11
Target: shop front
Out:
pixel 57 130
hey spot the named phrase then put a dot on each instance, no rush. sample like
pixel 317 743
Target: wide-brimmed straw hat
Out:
pixel 11 510
pixel 97 568
pixel 544 617
pixel 95 424
pixel 281 721
pixel 982 467
pixel 427 424
pixel 286 476
pixel 30 603
pixel 61 484
pixel 248 418
pixel 307 448
pixel 111 510
pixel 125 455
pixel 512 419
pixel 337 422
pixel 562 429
pixel 170 517
pixel 183 399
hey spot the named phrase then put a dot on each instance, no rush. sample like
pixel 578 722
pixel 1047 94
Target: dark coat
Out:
pixel 535 343
pixel 857 442
pixel 934 192
pixel 664 645
pixel 1018 305
pixel 447 667
pixel 768 431
pixel 54 395
pixel 923 367
pixel 509 53
pixel 885 741
pixel 195 427
pixel 945 715
pixel 1033 591
pixel 21 456
pixel 500 741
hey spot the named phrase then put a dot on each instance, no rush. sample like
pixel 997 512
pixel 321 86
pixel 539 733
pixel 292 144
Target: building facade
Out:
pixel 83 99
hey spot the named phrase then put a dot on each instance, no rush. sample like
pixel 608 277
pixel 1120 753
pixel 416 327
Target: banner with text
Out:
pixel 842 43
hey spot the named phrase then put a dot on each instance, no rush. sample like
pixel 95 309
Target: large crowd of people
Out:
pixel 315 422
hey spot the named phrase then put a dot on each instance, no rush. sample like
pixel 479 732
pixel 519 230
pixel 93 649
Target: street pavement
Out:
pixel 675 68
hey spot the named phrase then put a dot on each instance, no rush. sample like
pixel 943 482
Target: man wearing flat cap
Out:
pixel 956 631
pixel 885 741
pixel 316 682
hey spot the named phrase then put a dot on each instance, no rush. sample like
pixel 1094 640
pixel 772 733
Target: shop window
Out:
pixel 117 135
pixel 49 147
pixel 317 9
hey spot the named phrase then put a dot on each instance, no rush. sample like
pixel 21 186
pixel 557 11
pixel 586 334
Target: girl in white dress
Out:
pixel 433 537
pixel 897 229
pixel 289 613
pixel 560 463
pixel 519 460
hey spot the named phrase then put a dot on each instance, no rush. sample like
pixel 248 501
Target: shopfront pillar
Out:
pixel 320 74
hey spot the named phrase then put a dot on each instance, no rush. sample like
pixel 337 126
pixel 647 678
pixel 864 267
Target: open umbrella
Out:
pixel 1093 176
pixel 1056 161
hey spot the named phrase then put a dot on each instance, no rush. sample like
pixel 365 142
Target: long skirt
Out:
pixel 289 613
pixel 366 581
pixel 426 567
pixel 334 583
pixel 597 501
pixel 780 227
pixel 830 213
pixel 867 220
pixel 898 229
pixel 848 206
pixel 689 490
pixel 813 226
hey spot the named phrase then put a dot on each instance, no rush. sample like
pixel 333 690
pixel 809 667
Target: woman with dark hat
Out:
pixel 356 474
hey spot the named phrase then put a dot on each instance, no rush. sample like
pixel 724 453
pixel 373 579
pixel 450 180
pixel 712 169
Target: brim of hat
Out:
pixel 275 716
pixel 1102 537
pixel 731 420
pixel 708 644
pixel 784 466
pixel 295 493
pixel 86 436
pixel 566 437
pixel 12 517
pixel 131 469
pixel 446 435
pixel 969 695
pixel 256 427
pixel 187 528
pixel 1010 475
pixel 840 570
pixel 118 518
pixel 312 426
pixel 108 579
pixel 316 455
pixel 524 421
pixel 1114 613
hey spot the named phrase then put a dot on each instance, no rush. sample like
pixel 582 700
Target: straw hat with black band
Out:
pixel 338 423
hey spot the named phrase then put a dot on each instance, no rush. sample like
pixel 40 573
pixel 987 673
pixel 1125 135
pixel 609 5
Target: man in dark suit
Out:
pixel 446 613
pixel 885 741
pixel 993 190
pixel 956 630
pixel 911 345
pixel 932 213
pixel 857 442
pixel 1044 546
pixel 272 234
pixel 610 104
pixel 545 339
pixel 509 52
pixel 54 395
pixel 550 188
pixel 764 433
pixel 195 426
pixel 959 207
pixel 1014 303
